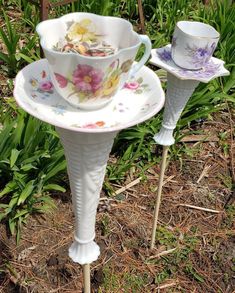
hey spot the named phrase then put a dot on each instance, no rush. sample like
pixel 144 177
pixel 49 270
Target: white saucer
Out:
pixel 162 58
pixel 138 101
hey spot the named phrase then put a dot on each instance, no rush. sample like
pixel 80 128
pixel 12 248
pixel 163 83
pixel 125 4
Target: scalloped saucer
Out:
pixel 162 58
pixel 140 99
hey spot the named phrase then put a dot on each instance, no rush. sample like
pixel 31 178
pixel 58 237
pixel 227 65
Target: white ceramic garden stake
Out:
pixel 181 84
pixel 87 138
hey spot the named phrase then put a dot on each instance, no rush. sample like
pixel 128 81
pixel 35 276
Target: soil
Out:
pixel 194 250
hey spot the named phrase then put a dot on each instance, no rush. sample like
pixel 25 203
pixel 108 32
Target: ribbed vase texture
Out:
pixel 178 93
pixel 87 155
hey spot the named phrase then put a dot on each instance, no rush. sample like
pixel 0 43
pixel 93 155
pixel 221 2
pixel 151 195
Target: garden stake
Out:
pixel 87 279
pixel 87 138
pixel 178 93
pixel 159 192
pixel 180 86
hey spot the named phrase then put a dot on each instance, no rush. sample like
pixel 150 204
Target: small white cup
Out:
pixel 193 44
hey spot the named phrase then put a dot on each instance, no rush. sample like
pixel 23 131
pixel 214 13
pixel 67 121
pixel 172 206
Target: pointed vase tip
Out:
pixel 84 253
pixel 164 137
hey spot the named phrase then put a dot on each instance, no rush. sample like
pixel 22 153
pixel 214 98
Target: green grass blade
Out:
pixel 14 155
pixel 26 192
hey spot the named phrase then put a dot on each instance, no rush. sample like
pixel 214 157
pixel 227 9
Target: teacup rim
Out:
pixel 80 55
pixel 201 23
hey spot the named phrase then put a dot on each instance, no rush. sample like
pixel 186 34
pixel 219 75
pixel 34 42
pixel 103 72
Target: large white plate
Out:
pixel 139 100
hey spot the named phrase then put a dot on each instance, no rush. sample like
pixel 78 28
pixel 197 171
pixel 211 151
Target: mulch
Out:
pixel 194 249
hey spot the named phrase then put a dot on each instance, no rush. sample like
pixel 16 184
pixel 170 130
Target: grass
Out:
pixel 133 281
pixel 134 148
pixel 25 183
pixel 169 266
pixel 30 159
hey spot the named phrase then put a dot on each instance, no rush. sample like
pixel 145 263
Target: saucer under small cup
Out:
pixel 162 57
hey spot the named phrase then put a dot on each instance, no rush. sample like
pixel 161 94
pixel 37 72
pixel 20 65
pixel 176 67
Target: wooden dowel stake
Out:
pixel 158 196
pixel 87 278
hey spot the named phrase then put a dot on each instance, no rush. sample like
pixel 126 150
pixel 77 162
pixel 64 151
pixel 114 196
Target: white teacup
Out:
pixel 193 44
pixel 85 81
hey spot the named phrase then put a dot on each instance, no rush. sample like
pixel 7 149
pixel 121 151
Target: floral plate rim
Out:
pixel 184 74
pixel 36 66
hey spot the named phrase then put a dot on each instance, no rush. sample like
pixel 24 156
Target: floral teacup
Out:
pixel 193 44
pixel 96 58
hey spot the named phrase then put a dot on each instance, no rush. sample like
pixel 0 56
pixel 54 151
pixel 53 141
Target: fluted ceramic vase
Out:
pixel 87 155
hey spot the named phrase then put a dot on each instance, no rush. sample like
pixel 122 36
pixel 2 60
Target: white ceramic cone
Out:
pixel 87 155
pixel 178 93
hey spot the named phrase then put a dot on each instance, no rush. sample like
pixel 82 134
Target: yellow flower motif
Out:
pixel 33 82
pixel 110 86
pixel 83 31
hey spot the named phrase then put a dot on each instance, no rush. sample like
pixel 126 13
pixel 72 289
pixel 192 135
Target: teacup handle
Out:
pixel 148 46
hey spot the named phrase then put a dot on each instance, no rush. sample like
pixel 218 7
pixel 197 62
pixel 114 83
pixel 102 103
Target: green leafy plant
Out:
pixel 16 55
pixel 10 38
pixel 134 148
pixel 30 159
pixel 207 98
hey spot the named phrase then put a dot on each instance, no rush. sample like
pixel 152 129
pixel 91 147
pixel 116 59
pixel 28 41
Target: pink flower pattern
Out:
pixel 98 124
pixel 133 85
pixel 87 82
pixel 87 79
pixel 62 81
pixel 137 86
pixel 46 86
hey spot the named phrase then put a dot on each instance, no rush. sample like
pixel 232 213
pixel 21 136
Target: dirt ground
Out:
pixel 194 251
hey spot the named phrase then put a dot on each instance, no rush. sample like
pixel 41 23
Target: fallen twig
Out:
pixel 200 208
pixel 108 199
pixel 167 285
pixel 168 179
pixel 129 185
pixel 199 137
pixel 204 173
pixel 165 252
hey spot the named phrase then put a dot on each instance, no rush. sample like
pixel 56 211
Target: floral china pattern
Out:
pixel 82 38
pixel 59 109
pixel 210 70
pixel 35 94
pixel 88 82
pixel 43 88
pixel 199 56
pixel 137 86
pixel 91 125
pixel 164 55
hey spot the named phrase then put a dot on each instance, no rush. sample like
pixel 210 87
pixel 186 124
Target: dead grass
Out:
pixel 194 248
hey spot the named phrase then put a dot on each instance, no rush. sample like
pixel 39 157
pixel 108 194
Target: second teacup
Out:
pixel 193 44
